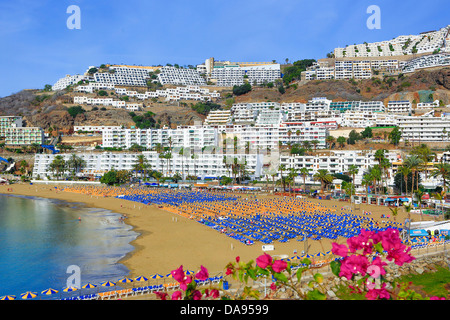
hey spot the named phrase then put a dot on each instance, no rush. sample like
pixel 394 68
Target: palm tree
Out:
pixel 394 212
pixel 413 162
pixel 330 140
pixel 315 143
pixel 367 182
pixel 304 172
pixel 292 174
pixel 324 177
pixel 353 171
pixel 141 164
pixel 442 171
pixel 282 167
pixel 405 171
pixel 75 163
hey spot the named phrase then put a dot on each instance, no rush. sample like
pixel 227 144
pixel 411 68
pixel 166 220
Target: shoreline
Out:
pixel 166 240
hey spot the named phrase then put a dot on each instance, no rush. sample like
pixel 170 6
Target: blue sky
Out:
pixel 38 48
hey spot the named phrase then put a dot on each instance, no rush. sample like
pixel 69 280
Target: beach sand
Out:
pixel 167 240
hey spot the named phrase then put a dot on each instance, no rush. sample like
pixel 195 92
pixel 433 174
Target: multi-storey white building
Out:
pixel 428 61
pixel 425 128
pixel 199 164
pixel 399 107
pixel 7 122
pixel 336 162
pixel 68 80
pixel 218 117
pixel 173 75
pixel 17 136
pixel 231 75
pixel 426 42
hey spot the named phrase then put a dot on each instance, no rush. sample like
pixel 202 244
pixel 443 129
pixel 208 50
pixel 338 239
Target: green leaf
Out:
pixel 299 274
pixel 316 295
pixel 379 247
pixel 318 278
pixel 335 267
pixel 306 261
pixel 280 276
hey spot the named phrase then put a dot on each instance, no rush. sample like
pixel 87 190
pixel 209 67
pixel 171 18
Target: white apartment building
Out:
pixel 231 75
pixel 200 164
pixel 18 136
pixel 173 75
pixel 428 105
pixel 428 61
pixel 424 128
pixel 99 101
pixel 95 128
pixel 92 86
pixel 218 117
pixel 336 162
pixel 399 46
pixel 125 76
pixel 399 107
pixel 68 80
pixel 358 119
pixel 7 122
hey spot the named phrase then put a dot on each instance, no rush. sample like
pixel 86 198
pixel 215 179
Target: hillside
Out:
pixel 414 87
pixel 49 109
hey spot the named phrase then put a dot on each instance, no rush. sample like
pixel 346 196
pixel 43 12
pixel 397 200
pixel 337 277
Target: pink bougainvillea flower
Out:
pixel 214 294
pixel 263 261
pixel 238 259
pixel 339 249
pixel 390 239
pixel 178 274
pixel 380 270
pixel 183 280
pixel 399 255
pixel 161 295
pixel 437 298
pixel 273 286
pixel 197 295
pixel 228 272
pixel 374 294
pixel 352 265
pixel 176 295
pixel 354 244
pixel 202 274
pixel 279 266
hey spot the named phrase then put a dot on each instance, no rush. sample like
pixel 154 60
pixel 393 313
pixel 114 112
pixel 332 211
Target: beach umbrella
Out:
pixel 141 278
pixel 126 280
pixel 320 254
pixel 169 275
pixel 108 284
pixel 89 286
pixel 188 272
pixel 70 289
pixel 8 298
pixel 49 292
pixel 28 295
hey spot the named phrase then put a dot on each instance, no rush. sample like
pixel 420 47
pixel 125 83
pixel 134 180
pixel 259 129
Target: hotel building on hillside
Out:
pixel 17 136
pixel 7 122
pixel 231 75
pixel 426 128
pixel 399 107
pixel 180 76
pixel 68 80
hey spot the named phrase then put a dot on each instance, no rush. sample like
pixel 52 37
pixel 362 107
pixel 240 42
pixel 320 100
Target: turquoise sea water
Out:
pixel 40 238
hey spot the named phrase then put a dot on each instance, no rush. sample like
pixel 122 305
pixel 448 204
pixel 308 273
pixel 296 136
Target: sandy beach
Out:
pixel 167 240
